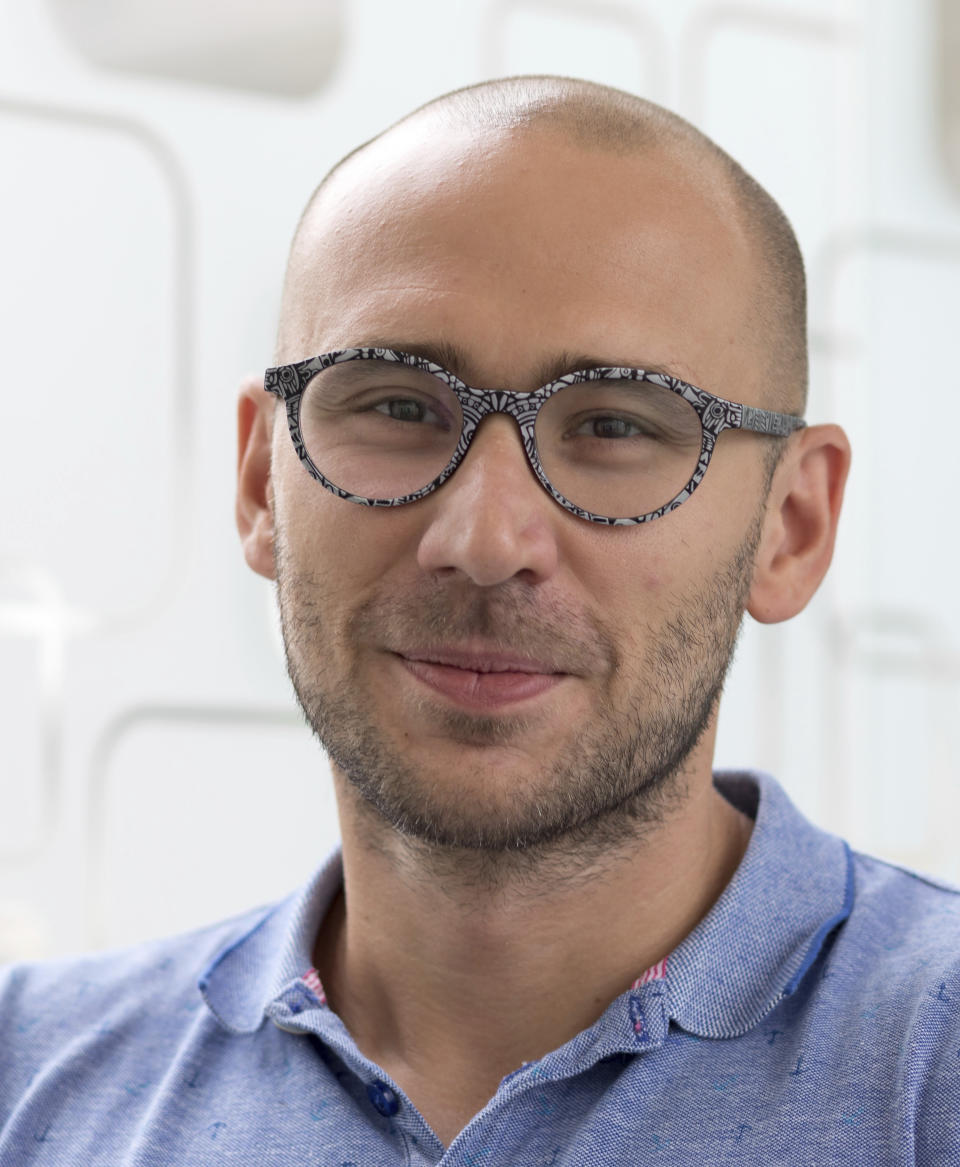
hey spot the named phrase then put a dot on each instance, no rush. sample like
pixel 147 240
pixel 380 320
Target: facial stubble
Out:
pixel 616 777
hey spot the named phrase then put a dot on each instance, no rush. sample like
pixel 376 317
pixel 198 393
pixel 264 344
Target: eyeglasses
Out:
pixel 617 446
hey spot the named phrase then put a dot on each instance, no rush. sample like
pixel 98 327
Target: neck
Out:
pixel 538 952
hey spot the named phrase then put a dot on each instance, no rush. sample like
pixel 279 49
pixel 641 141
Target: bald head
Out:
pixel 598 120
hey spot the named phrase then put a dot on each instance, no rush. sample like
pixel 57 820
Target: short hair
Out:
pixel 601 117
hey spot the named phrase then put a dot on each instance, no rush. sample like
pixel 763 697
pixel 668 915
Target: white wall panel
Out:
pixel 197 815
pixel 92 389
pixel 21 735
pixel 288 47
pixel 909 391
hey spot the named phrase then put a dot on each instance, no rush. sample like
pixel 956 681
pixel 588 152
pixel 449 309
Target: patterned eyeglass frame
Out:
pixel 716 415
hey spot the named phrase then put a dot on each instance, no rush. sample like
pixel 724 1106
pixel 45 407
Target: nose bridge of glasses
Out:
pixel 520 405
pixel 481 406
pixel 498 411
pixel 493 421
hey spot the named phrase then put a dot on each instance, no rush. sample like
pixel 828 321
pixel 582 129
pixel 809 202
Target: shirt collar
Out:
pixel 793 887
pixel 252 971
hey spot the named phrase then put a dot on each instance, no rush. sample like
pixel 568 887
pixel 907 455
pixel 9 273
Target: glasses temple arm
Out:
pixel 765 421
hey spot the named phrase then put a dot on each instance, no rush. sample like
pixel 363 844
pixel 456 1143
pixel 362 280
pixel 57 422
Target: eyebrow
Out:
pixel 454 359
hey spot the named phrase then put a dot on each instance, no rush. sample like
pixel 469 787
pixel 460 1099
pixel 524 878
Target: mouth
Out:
pixel 482 661
pixel 481 680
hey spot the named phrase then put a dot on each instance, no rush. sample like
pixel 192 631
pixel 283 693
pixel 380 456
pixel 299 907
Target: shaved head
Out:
pixel 601 119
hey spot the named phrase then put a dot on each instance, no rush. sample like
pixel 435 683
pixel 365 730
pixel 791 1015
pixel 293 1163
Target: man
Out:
pixel 553 935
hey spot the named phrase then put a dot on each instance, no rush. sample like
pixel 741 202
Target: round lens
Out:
pixel 618 448
pixel 378 428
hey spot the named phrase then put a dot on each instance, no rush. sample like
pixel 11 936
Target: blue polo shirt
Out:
pixel 811 1018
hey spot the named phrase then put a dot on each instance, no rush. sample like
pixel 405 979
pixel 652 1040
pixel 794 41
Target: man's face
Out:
pixel 518 251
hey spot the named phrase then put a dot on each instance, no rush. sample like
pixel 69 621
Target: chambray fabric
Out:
pixel 812 1018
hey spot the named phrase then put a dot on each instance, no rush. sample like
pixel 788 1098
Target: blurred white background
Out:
pixel 154 157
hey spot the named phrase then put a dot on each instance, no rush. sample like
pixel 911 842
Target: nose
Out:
pixel 492 520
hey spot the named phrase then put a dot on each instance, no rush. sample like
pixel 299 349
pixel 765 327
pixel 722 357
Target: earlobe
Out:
pixel 254 508
pixel 800 527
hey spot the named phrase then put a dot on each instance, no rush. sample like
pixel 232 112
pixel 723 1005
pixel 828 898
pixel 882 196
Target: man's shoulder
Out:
pixel 156 965
pixel 895 900
pixel 902 938
pixel 119 992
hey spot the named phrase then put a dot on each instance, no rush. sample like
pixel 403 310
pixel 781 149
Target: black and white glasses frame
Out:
pixel 716 414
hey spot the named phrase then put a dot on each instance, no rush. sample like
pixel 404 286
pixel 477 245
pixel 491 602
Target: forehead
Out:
pixel 510 245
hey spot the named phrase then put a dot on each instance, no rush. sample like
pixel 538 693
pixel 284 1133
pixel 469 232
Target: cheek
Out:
pixel 347 549
pixel 628 568
pixel 631 584
pixel 735 477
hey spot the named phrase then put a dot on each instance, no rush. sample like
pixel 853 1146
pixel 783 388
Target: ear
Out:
pixel 255 522
pixel 800 526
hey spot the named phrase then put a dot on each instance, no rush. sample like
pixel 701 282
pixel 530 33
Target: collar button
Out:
pixel 383 1098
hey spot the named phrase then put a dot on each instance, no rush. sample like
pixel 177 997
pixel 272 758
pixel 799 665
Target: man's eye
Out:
pixel 611 427
pixel 407 409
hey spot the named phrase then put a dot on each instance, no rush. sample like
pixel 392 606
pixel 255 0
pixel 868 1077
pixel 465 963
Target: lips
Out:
pixel 481 680
pixel 481 662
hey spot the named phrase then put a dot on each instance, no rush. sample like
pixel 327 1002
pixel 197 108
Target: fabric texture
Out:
pixel 811 1018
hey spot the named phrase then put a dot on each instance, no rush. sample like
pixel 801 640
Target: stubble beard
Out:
pixel 616 778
